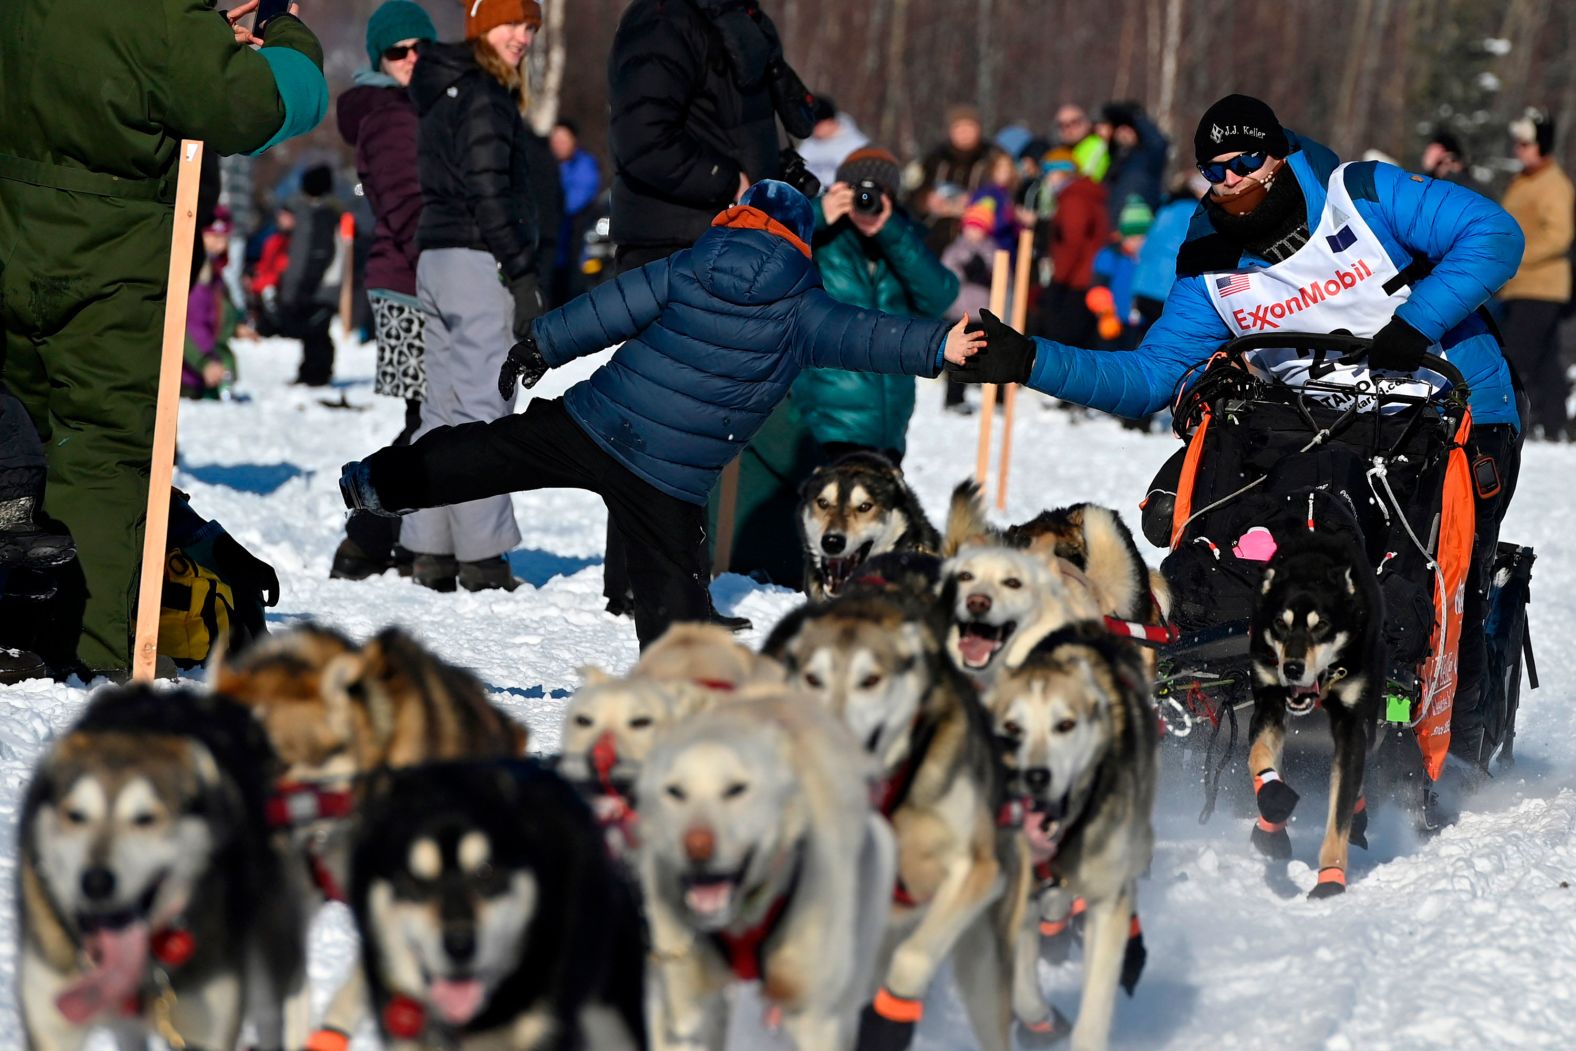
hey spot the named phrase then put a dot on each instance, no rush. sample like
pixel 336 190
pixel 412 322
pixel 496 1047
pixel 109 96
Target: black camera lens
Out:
pixel 867 197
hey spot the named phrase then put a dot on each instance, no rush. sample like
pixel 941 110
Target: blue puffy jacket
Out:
pixel 714 336
pixel 1473 244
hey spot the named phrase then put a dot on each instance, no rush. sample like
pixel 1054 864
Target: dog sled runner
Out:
pixel 1289 431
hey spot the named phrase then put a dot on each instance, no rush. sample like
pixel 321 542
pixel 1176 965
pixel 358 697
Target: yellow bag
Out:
pixel 197 609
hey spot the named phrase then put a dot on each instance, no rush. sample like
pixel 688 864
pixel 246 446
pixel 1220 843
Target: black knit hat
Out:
pixel 317 181
pixel 875 164
pixel 1238 123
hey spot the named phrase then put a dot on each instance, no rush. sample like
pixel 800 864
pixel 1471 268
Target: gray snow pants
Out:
pixel 468 333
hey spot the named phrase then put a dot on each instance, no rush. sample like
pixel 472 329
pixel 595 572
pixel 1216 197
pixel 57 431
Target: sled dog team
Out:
pixel 949 753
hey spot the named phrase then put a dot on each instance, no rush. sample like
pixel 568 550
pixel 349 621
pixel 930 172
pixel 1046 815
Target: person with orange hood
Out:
pixel 712 338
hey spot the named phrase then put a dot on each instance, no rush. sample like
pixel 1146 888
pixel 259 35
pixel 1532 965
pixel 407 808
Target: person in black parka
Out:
pixel 712 338
pixel 476 277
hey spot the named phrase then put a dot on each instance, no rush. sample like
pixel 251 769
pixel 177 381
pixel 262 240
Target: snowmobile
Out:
pixel 1289 431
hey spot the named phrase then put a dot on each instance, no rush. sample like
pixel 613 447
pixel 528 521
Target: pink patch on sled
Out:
pixel 1256 545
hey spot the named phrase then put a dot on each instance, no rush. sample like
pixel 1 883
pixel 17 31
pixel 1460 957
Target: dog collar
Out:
pixel 1150 634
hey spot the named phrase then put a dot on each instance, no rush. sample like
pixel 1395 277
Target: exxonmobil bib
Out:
pixel 1335 282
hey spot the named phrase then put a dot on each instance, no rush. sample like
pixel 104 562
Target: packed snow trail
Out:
pixel 1466 940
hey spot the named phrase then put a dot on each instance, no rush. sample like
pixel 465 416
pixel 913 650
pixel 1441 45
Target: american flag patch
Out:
pixel 1230 286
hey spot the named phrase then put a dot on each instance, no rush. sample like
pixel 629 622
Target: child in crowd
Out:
pixel 209 365
pixel 970 257
pixel 712 337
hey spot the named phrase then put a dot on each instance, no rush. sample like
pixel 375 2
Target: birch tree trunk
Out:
pixel 1171 46
pixel 544 102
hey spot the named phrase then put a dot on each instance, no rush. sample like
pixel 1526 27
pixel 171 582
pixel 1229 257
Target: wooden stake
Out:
pixel 1020 321
pixel 347 270
pixel 998 306
pixel 145 649
pixel 727 511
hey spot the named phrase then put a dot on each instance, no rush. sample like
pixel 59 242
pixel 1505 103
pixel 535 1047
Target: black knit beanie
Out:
pixel 877 165
pixel 1238 124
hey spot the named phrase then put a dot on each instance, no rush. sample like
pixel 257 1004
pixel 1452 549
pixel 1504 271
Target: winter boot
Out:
pixel 352 563
pixel 355 486
pixel 404 560
pixel 733 624
pixel 888 1024
pixel 438 572
pixel 25 546
pixel 487 574
pixel 1134 957
pixel 19 666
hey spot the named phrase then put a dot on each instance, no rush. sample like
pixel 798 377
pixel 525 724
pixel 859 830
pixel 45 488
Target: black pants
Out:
pixel 1532 343
pixel 309 324
pixel 1502 443
pixel 21 454
pixel 543 448
pixel 616 585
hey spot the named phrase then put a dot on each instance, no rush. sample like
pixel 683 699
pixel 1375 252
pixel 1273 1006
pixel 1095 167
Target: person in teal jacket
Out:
pixel 875 260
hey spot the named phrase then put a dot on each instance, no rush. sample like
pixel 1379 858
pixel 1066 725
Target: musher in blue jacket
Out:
pixel 713 336
pixel 1289 238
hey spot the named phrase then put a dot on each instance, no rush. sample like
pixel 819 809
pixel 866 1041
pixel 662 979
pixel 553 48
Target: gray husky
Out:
pixel 152 897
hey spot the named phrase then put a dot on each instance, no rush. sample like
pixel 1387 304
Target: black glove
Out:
pixel 976 271
pixel 1398 347
pixel 1008 356
pixel 524 365
pixel 528 304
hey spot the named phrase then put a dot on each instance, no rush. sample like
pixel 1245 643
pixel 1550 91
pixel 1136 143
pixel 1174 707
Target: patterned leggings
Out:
pixel 402 370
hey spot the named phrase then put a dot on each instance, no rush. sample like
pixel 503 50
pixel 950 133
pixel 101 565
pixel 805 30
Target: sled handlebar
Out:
pixel 1350 348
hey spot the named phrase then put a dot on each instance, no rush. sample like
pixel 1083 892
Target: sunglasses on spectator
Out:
pixel 1071 122
pixel 398 51
pixel 1242 165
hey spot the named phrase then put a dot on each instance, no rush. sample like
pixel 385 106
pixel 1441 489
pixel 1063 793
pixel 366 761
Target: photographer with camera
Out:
pixel 870 254
pixel 697 90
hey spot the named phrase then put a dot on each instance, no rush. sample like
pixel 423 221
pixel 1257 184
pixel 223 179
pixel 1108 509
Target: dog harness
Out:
pixel 745 951
pixel 296 803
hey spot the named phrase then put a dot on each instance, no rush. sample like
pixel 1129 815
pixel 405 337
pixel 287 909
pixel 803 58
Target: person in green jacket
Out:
pixel 97 97
pixel 870 255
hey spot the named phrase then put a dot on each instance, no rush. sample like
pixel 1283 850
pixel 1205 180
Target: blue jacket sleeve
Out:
pixel 581 180
pixel 1474 244
pixel 1138 382
pixel 605 316
pixel 832 335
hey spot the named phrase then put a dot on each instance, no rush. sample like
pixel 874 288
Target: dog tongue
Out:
pixel 1040 833
pixel 976 650
pixel 457 999
pixel 708 899
pixel 119 960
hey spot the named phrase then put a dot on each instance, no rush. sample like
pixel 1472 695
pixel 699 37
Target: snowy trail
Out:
pixel 1467 940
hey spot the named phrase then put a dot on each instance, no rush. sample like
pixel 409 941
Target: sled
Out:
pixel 1383 460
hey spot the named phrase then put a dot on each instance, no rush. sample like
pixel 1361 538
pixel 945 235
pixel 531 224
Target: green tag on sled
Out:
pixel 1397 708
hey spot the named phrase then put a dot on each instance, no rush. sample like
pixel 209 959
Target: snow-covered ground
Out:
pixel 1467 940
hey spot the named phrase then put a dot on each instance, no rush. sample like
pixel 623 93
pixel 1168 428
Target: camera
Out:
pixel 867 197
pixel 795 174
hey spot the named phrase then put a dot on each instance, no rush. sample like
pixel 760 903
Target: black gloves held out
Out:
pixel 524 365
pixel 1008 356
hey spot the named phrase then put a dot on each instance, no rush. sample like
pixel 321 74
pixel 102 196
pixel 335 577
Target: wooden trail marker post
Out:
pixel 727 510
pixel 1020 321
pixel 145 648
pixel 998 306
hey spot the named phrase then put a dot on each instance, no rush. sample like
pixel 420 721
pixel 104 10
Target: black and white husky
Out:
pixel 853 510
pixel 491 915
pixel 1316 643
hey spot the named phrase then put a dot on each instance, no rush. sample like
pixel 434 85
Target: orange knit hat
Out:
pixel 482 15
